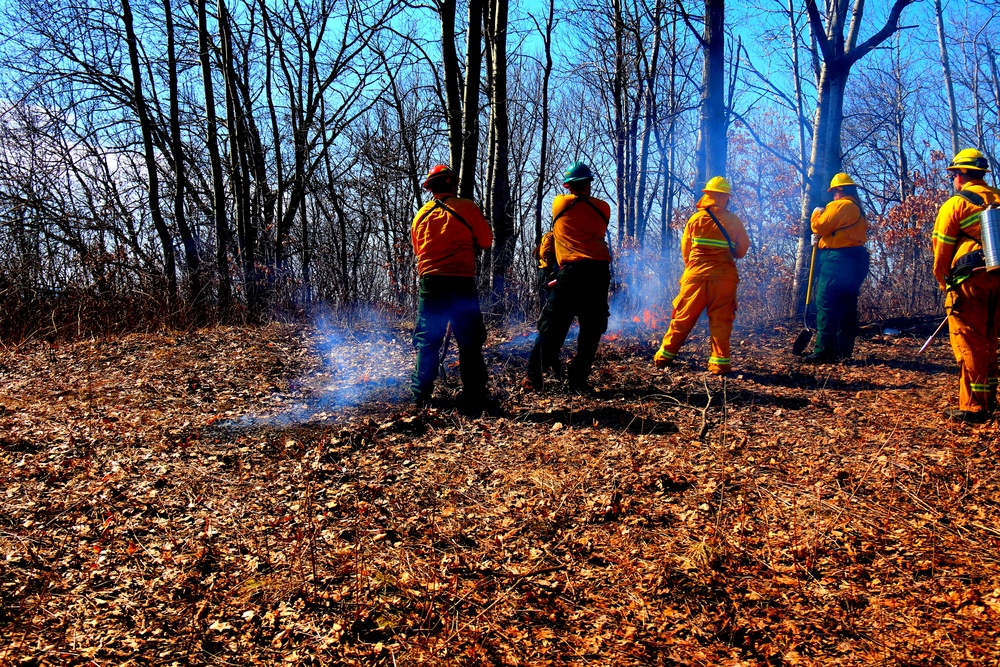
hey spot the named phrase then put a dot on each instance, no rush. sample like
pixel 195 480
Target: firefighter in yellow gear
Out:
pixel 841 230
pixel 714 238
pixel 973 299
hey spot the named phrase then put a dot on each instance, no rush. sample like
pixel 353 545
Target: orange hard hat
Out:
pixel 437 171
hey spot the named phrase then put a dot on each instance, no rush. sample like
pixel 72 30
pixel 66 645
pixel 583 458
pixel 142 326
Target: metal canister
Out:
pixel 989 230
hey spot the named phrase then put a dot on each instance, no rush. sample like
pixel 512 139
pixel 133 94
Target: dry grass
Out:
pixel 825 517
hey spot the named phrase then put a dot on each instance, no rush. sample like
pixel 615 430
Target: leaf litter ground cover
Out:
pixel 265 496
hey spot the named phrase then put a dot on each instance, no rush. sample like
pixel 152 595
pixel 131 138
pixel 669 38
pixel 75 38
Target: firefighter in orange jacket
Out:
pixel 710 278
pixel 841 229
pixel 446 233
pixel 973 299
pixel 579 225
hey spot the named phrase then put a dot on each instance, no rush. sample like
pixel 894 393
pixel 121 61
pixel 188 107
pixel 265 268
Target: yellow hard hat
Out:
pixel 840 180
pixel 969 158
pixel 718 184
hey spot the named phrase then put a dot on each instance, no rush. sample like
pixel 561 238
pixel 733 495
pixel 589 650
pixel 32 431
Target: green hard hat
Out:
pixel 578 171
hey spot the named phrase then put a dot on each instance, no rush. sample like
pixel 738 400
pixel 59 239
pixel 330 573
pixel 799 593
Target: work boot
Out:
pixel 969 416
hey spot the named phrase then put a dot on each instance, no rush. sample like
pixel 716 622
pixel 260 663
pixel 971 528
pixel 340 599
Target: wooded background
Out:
pixel 183 163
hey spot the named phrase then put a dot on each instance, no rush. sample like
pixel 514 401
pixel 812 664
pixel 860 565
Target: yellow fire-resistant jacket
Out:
pixel 841 224
pixel 547 251
pixel 579 226
pixel 704 248
pixel 446 233
pixel 956 231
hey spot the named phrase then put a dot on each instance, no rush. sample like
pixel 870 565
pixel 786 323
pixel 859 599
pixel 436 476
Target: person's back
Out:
pixel 713 239
pixel 579 226
pixel 446 233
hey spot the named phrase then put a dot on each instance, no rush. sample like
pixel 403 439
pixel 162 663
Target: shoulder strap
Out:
pixel 562 212
pixel 447 209
pixel 599 211
pixel 973 198
pixel 732 248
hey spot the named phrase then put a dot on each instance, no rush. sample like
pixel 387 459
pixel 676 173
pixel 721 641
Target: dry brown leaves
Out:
pixel 201 499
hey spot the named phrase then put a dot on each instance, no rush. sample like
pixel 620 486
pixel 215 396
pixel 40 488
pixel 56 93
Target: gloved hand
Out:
pixel 815 239
pixel 818 209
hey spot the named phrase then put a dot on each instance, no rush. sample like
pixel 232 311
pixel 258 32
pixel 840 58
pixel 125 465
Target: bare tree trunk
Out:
pixel 649 121
pixel 711 150
pixel 618 93
pixel 452 80
pixel 191 252
pixel 797 78
pixel 473 68
pixel 839 55
pixel 503 228
pixel 543 149
pixel 246 233
pixel 948 85
pixel 218 185
pixel 146 125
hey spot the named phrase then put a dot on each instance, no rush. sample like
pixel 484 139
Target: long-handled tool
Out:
pixel 934 335
pixel 802 340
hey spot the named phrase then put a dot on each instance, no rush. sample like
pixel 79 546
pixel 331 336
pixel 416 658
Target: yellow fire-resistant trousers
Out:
pixel 973 327
pixel 718 297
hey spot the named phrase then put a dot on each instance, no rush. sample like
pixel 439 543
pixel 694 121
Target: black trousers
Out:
pixel 445 299
pixel 581 291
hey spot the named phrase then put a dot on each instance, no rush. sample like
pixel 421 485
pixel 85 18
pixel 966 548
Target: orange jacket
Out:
pixel 704 248
pixel 956 231
pixel 841 224
pixel 547 251
pixel 578 226
pixel 443 243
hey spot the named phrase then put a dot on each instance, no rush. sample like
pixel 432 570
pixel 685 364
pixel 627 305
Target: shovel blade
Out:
pixel 802 342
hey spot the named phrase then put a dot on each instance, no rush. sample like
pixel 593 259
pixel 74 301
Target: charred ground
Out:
pixel 236 496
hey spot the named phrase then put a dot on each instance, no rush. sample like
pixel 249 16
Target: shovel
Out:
pixel 802 340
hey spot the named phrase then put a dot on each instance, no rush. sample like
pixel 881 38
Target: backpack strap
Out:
pixel 732 248
pixel 439 203
pixel 563 212
pixel 975 199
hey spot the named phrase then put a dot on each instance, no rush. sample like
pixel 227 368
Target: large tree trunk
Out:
pixel 473 68
pixel 839 53
pixel 218 184
pixel 503 227
pixel 710 154
pixel 146 126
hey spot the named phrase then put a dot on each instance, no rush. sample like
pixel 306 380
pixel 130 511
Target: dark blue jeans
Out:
pixel 841 272
pixel 445 299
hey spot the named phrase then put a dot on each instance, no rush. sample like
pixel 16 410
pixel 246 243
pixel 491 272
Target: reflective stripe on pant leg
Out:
pixel 690 302
pixel 968 324
pixel 721 315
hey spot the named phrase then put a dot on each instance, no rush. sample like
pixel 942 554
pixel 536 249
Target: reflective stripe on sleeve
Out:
pixel 703 240
pixel 943 238
pixel 969 221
